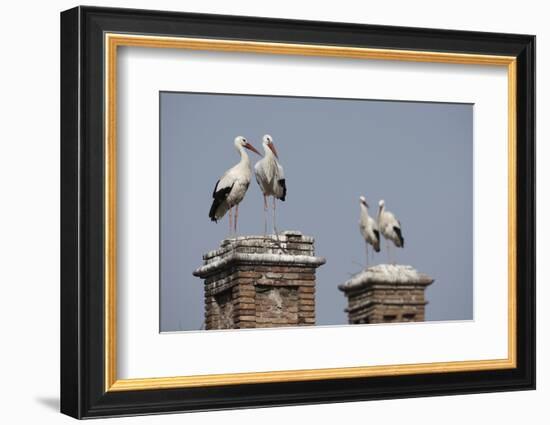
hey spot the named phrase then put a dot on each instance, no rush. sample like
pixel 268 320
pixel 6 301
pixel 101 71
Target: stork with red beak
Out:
pixel 368 228
pixel 390 227
pixel 270 177
pixel 232 186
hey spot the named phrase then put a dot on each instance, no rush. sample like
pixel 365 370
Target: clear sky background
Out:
pixel 417 156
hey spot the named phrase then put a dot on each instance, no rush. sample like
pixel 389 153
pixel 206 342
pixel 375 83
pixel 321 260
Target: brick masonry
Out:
pixel 260 282
pixel 386 293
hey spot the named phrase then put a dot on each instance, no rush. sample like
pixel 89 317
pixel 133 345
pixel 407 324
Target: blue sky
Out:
pixel 417 156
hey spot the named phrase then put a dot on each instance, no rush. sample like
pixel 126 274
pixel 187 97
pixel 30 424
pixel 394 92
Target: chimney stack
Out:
pixel 386 293
pixel 260 281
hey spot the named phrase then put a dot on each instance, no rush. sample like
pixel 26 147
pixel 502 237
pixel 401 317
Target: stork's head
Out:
pixel 381 204
pixel 240 141
pixel 268 143
pixel 363 201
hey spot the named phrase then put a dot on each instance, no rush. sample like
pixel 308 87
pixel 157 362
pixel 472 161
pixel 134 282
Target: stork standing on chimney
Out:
pixel 232 186
pixel 368 228
pixel 270 177
pixel 390 227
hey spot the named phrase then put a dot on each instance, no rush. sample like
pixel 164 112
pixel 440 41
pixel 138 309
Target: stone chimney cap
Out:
pixel 386 274
pixel 289 248
pixel 267 241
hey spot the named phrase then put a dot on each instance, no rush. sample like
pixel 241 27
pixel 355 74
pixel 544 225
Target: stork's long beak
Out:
pixel 272 147
pixel 252 148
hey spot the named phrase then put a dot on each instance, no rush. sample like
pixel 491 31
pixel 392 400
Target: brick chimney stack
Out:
pixel 260 281
pixel 386 293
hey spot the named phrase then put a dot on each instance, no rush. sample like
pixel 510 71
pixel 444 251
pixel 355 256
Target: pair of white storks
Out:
pixel 231 188
pixel 387 224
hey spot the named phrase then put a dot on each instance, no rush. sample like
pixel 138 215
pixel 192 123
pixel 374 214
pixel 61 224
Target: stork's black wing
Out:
pixel 219 196
pixel 282 183
pixel 377 244
pixel 397 231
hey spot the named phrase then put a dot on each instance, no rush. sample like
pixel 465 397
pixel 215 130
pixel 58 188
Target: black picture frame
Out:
pixel 82 219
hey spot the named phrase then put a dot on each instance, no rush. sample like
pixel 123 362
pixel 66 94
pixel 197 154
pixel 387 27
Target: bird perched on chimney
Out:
pixel 232 186
pixel 368 227
pixel 270 177
pixel 390 227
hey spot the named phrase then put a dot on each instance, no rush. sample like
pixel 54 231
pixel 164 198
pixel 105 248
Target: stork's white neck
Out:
pixel 381 209
pixel 364 209
pixel 268 153
pixel 245 160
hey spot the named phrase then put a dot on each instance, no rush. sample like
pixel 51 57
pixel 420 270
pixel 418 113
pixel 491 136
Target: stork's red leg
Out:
pixel 265 215
pixel 236 216
pixel 274 217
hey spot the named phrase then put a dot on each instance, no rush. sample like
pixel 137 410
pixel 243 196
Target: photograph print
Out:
pixel 281 211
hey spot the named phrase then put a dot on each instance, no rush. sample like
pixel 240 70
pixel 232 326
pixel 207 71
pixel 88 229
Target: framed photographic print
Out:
pixel 261 212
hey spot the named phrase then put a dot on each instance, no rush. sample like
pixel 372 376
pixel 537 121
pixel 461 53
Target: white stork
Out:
pixel 232 186
pixel 270 177
pixel 390 227
pixel 368 227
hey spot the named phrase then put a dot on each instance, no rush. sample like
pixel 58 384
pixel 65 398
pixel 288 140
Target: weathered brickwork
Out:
pixel 260 281
pixel 386 293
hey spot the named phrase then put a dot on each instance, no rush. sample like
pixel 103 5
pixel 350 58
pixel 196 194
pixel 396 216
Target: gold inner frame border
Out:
pixel 113 41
